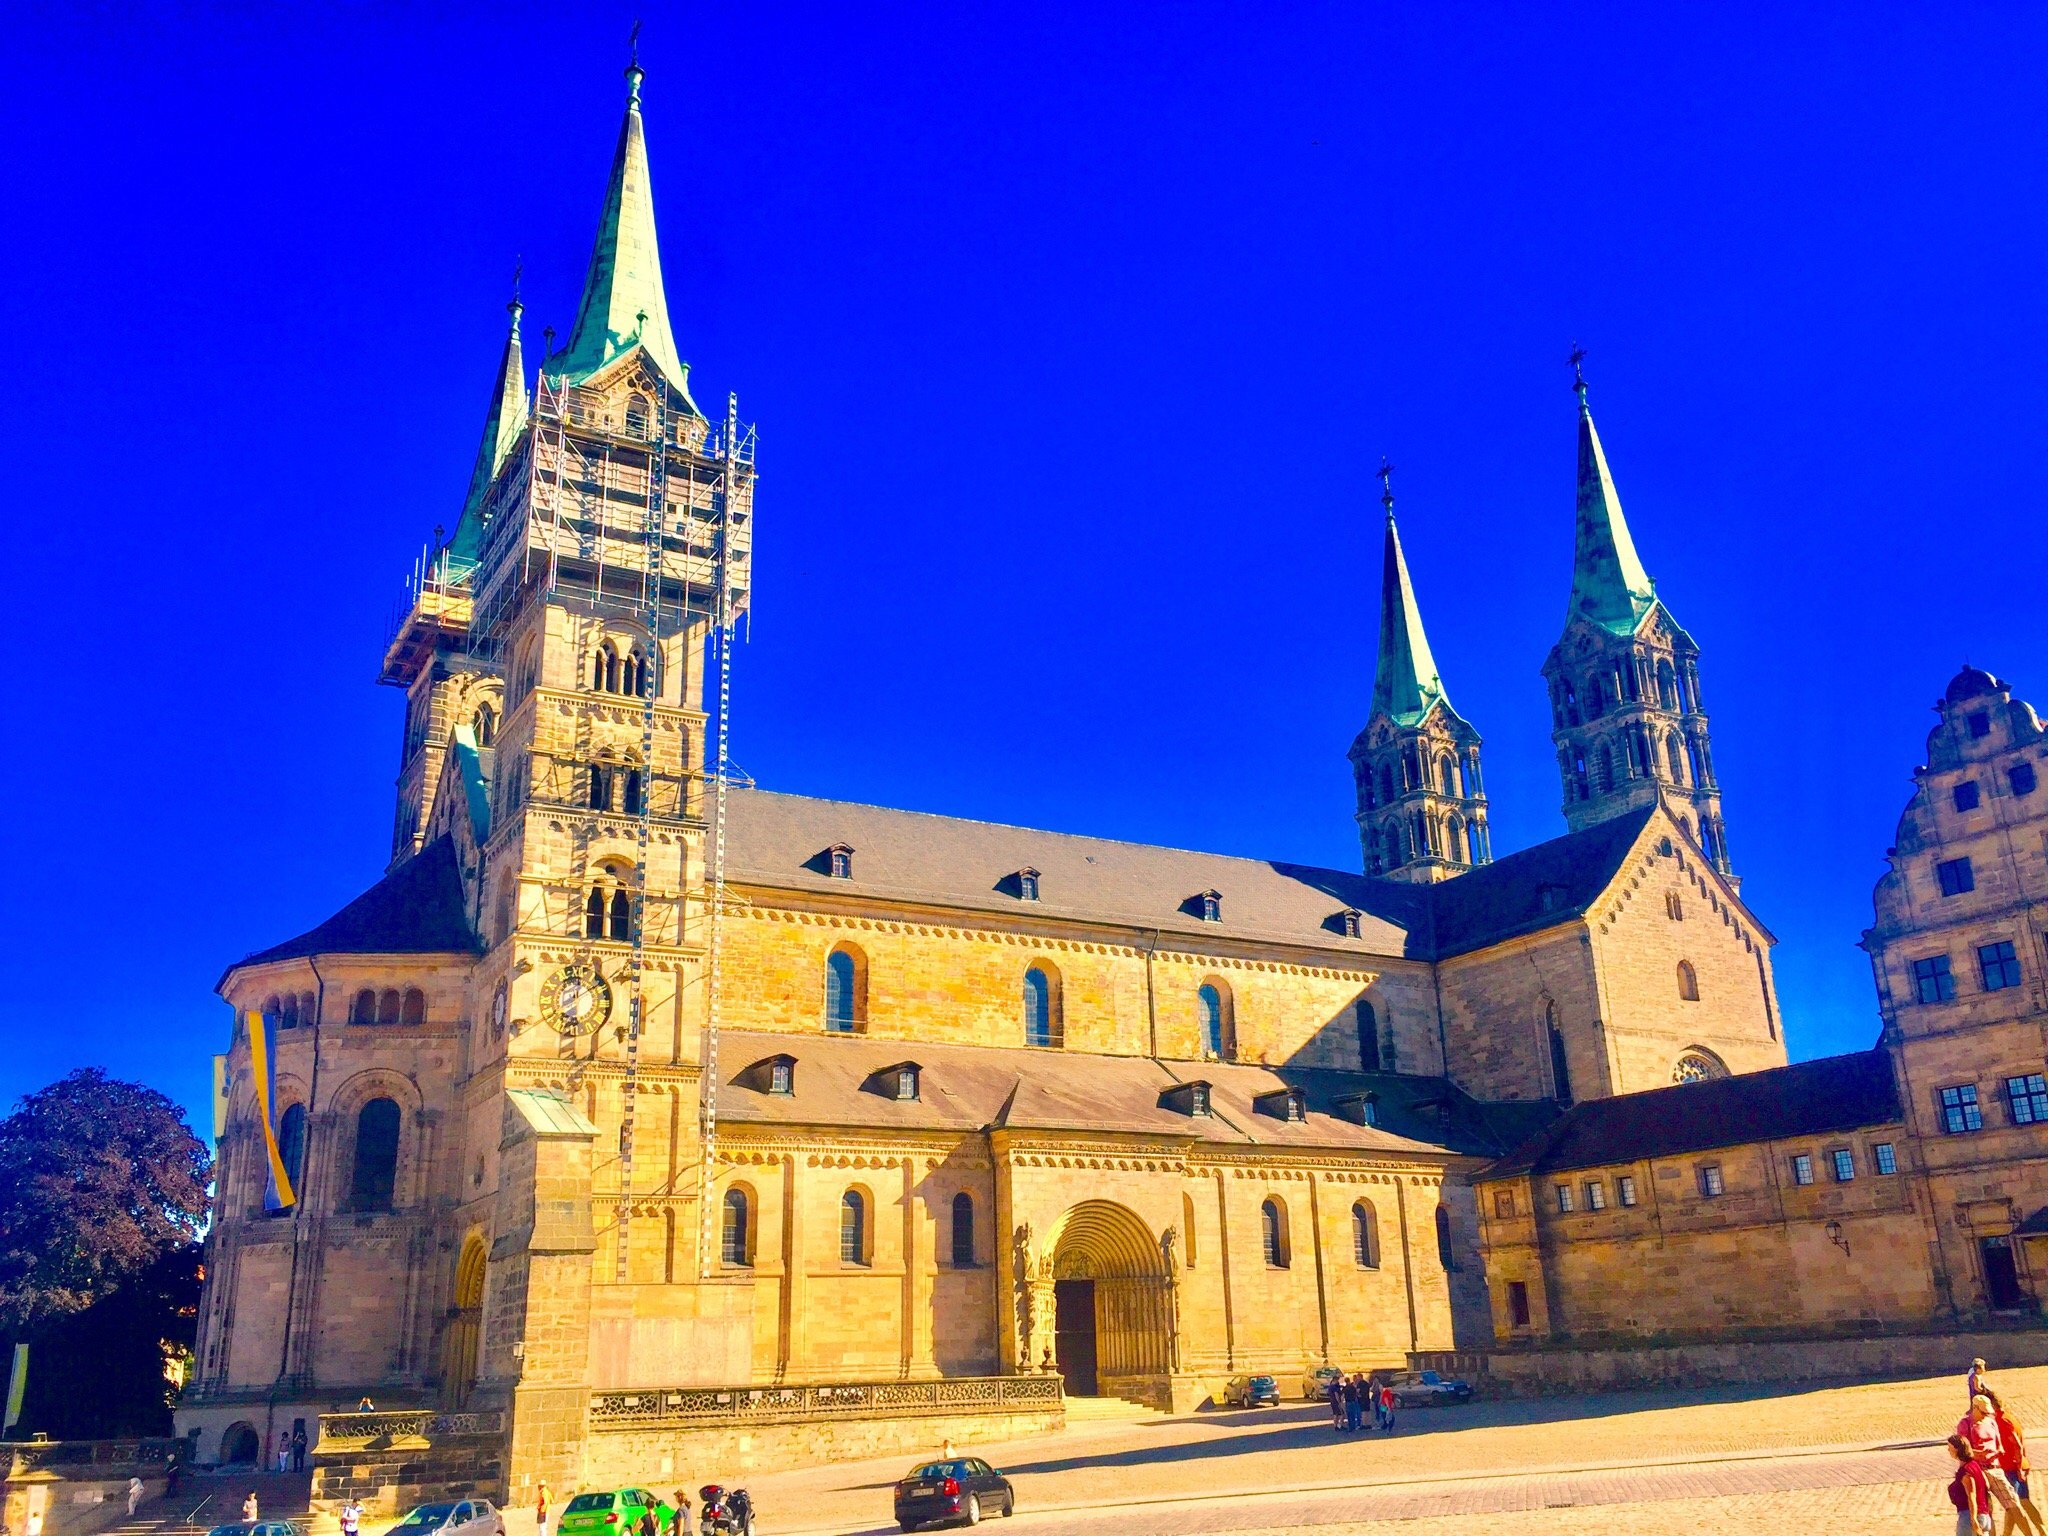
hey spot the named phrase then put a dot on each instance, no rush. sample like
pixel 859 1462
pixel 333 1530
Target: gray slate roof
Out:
pixel 416 909
pixel 781 841
pixel 1808 1098
pixel 975 1088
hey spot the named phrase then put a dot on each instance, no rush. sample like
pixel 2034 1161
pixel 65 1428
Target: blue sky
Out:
pixel 1074 333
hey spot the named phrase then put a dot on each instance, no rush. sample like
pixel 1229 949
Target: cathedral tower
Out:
pixel 1421 804
pixel 1624 677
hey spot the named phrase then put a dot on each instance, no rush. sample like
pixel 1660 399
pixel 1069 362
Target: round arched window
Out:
pixel 1693 1067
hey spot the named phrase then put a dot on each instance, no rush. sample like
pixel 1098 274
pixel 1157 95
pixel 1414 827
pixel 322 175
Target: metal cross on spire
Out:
pixel 1386 474
pixel 1578 373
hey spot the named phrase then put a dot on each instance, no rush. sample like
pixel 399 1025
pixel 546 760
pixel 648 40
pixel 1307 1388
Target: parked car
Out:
pixel 613 1513
pixel 1315 1384
pixel 465 1517
pixel 255 1528
pixel 1426 1389
pixel 1251 1392
pixel 963 1489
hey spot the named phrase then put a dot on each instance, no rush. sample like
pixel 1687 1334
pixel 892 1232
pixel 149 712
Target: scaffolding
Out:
pixel 641 514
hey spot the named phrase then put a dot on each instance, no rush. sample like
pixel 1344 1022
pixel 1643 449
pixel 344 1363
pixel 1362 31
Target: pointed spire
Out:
pixel 1405 683
pixel 1609 585
pixel 623 303
pixel 503 423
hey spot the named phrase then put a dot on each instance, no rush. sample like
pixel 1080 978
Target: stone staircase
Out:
pixel 1096 1410
pixel 206 1499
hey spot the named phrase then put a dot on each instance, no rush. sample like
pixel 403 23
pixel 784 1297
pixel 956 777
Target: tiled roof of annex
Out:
pixel 1808 1098
pixel 783 841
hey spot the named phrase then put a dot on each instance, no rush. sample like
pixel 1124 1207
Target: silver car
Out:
pixel 459 1517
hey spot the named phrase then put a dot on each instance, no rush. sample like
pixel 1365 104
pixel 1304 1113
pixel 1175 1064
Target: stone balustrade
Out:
pixel 694 1407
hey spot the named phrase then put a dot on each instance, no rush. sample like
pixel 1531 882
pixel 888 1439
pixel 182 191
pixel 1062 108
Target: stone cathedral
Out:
pixel 989 1109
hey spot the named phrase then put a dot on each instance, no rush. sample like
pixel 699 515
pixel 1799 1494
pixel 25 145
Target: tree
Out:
pixel 99 1180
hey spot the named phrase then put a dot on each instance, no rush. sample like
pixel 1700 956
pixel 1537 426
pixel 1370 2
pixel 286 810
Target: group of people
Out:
pixel 1991 1466
pixel 679 1523
pixel 1351 1395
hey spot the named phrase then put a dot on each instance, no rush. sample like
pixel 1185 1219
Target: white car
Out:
pixel 461 1517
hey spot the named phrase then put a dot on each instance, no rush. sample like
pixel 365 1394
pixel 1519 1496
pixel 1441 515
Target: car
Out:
pixel 612 1512
pixel 1426 1389
pixel 1316 1384
pixel 963 1488
pixel 457 1517
pixel 255 1528
pixel 1251 1391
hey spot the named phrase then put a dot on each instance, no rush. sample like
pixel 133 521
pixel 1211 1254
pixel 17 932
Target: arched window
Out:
pixel 1454 838
pixel 484 725
pixel 630 801
pixel 1273 1233
pixel 1693 761
pixel 736 1230
pixel 413 1010
pixel 291 1145
pixel 1475 835
pixel 1677 765
pixel 1042 1023
pixel 1392 834
pixel 1667 685
pixel 1674 906
pixel 1368 1036
pixel 1596 699
pixel 1688 689
pixel 376 1166
pixel 1606 766
pixel 1365 1235
pixel 1447 772
pixel 845 996
pixel 1187 1229
pixel 1386 782
pixel 1560 1069
pixel 963 1231
pixel 1697 1067
pixel 600 786
pixel 640 674
pixel 1445 1256
pixel 622 917
pixel 364 1009
pixel 1571 704
pixel 1688 982
pixel 390 1006
pixel 604 669
pixel 853 1228
pixel 593 914
pixel 1580 787
pixel 636 415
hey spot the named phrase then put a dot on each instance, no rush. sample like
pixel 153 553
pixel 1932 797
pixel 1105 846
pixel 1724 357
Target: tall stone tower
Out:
pixel 1421 802
pixel 1624 677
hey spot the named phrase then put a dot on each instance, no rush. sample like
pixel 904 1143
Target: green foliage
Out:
pixel 99 1180
pixel 99 1373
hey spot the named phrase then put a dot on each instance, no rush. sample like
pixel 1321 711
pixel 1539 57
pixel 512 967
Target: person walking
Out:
pixel 1387 1406
pixel 173 1470
pixel 298 1447
pixel 351 1517
pixel 134 1496
pixel 679 1522
pixel 1987 1447
pixel 540 1510
pixel 1968 1491
pixel 1336 1396
pixel 1976 1377
pixel 2013 1462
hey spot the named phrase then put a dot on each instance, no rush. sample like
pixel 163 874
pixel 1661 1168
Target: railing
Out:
pixel 76 1455
pixel 345 1431
pixel 666 1407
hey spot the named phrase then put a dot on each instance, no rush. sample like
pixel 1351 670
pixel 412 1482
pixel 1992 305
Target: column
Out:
pixel 795 1279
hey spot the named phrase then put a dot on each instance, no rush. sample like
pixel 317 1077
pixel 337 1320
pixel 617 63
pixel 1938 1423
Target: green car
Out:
pixel 618 1513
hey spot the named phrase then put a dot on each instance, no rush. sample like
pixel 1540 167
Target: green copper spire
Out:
pixel 623 303
pixel 1609 585
pixel 1405 684
pixel 503 423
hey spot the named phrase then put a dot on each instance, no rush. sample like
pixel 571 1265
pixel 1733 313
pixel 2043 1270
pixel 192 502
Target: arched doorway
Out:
pixel 238 1446
pixel 459 1345
pixel 1112 1303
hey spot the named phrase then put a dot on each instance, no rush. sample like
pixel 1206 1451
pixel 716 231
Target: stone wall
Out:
pixel 77 1486
pixel 392 1461
pixel 1542 1372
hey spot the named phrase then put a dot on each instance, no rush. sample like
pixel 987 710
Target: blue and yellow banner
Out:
pixel 277 1192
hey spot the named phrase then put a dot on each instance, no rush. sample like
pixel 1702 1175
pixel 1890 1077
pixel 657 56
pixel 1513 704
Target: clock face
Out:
pixel 577 1000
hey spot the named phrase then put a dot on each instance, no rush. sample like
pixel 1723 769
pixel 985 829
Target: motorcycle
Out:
pixel 725 1511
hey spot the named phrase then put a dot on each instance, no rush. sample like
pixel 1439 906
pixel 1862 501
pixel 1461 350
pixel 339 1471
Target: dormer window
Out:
pixel 1283 1104
pixel 1350 918
pixel 782 1077
pixel 900 1082
pixel 1027 885
pixel 1360 1108
pixel 839 861
pixel 771 1074
pixel 1187 1099
pixel 1212 906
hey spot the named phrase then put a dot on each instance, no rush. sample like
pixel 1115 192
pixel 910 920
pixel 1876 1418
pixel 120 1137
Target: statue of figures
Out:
pixel 1027 1273
pixel 1168 1241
